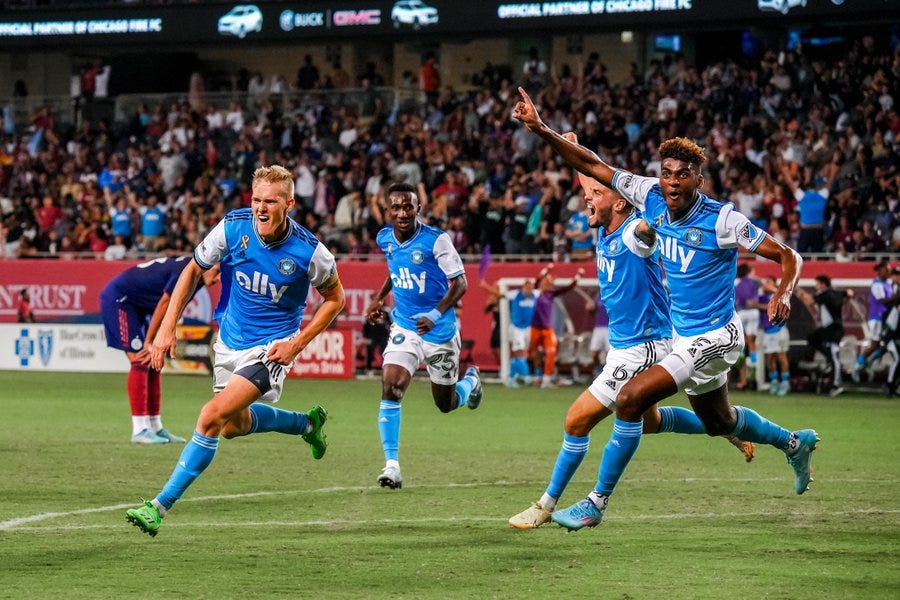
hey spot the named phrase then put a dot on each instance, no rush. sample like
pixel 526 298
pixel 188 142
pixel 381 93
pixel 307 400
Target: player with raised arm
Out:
pixel 427 278
pixel 640 333
pixel 268 264
pixel 132 305
pixel 698 240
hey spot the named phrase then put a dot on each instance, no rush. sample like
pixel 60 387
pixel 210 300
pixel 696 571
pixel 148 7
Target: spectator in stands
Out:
pixel 429 78
pixel 24 313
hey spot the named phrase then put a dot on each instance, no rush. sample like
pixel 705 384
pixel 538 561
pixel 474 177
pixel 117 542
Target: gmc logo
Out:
pixel 342 18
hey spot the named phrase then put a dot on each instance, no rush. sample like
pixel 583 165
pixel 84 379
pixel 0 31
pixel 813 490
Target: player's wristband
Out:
pixel 433 315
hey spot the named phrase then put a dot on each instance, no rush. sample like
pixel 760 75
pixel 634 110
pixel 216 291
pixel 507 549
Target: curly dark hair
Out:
pixel 682 149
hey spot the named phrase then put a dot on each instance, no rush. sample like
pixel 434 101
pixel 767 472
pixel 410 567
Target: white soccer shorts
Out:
pixel 749 320
pixel 519 338
pixel 875 328
pixel 228 361
pixel 700 363
pixel 622 364
pixel 407 349
pixel 779 341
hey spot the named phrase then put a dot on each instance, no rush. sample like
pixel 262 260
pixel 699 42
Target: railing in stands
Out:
pixel 70 112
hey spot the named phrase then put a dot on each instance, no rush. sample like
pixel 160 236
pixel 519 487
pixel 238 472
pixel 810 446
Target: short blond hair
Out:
pixel 275 174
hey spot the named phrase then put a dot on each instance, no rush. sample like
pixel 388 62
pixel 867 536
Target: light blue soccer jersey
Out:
pixel 420 269
pixel 699 252
pixel 521 308
pixel 264 286
pixel 630 280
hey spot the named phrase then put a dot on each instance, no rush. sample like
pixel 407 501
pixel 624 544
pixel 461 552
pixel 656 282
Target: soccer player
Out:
pixel 268 264
pixel 775 343
pixel 543 336
pixel 640 333
pixel 880 293
pixel 132 305
pixel 826 307
pixel 746 293
pixel 698 240
pixel 521 310
pixel 427 278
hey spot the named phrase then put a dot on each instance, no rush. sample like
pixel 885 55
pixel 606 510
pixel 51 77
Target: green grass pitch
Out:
pixel 690 519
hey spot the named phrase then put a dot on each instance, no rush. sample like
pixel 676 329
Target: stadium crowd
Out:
pixel 808 149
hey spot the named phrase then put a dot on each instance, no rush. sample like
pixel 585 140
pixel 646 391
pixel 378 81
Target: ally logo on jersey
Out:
pixel 259 283
pixel 404 279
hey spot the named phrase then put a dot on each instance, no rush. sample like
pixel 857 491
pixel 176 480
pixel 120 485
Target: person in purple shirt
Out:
pixel 132 306
pixel 543 337
pixel 880 293
pixel 746 292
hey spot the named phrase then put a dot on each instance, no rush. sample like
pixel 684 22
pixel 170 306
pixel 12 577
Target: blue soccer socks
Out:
pixel 622 445
pixel 570 456
pixel 195 457
pixel 464 388
pixel 752 427
pixel 389 428
pixel 268 418
pixel 675 419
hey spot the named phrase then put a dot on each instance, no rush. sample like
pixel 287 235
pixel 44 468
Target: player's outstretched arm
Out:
pixel 576 155
pixel 332 293
pixel 164 340
pixel 780 305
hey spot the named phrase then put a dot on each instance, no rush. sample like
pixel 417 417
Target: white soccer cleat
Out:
pixel 390 478
pixel 531 518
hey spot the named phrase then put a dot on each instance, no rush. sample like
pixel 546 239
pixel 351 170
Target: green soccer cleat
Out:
pixel 801 460
pixel 316 438
pixel 146 518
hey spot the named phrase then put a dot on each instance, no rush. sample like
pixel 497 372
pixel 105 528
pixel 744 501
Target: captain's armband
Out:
pixel 329 284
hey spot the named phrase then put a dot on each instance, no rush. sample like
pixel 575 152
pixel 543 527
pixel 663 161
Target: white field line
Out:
pixel 219 524
pixel 18 522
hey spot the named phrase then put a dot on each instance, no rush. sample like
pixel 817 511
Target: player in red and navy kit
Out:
pixel 132 306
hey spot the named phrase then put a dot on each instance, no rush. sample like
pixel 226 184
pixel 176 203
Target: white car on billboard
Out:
pixel 241 19
pixel 782 6
pixel 413 12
